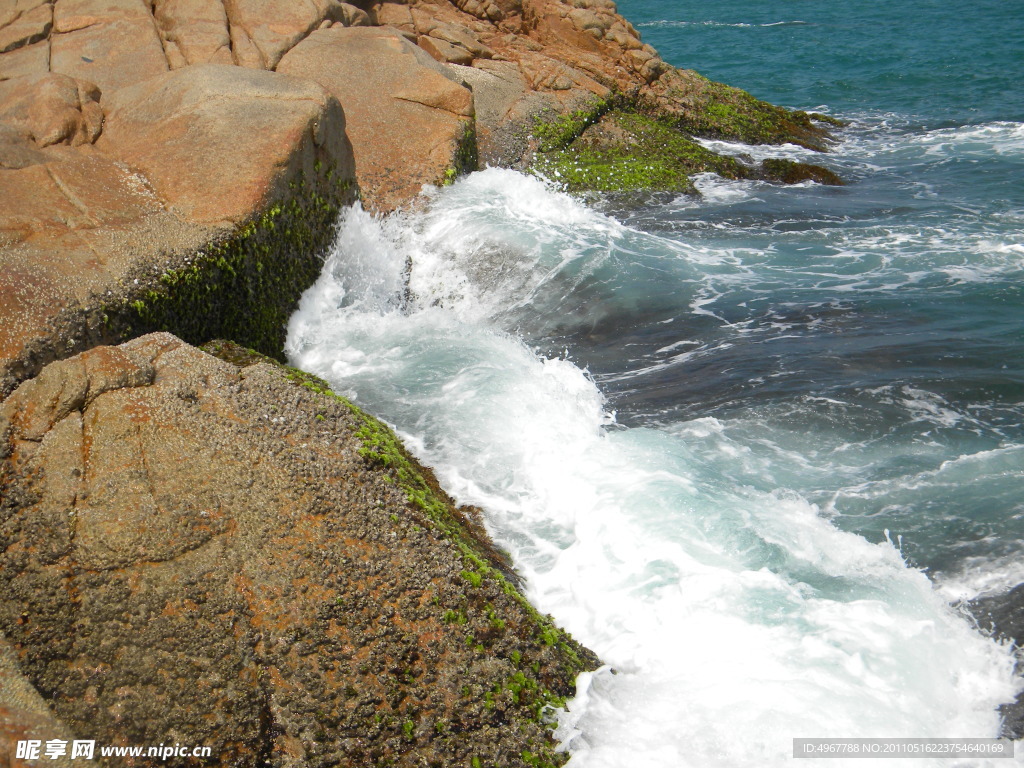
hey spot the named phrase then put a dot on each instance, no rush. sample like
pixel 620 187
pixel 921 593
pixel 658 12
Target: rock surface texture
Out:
pixel 101 194
pixel 196 552
pixel 404 87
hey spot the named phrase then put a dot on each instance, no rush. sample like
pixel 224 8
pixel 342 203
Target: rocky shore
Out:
pixel 206 547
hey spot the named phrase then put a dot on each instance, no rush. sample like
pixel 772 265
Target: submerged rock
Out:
pixel 232 556
pixel 1003 616
pixel 793 172
pixel 623 150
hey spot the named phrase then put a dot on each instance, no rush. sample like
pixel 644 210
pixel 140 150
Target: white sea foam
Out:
pixel 733 24
pixel 735 619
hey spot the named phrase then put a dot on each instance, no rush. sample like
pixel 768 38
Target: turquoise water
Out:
pixel 754 448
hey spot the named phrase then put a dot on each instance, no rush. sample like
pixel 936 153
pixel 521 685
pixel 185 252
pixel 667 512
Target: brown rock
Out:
pixel 589 21
pixel 112 43
pixel 507 108
pixel 73 225
pixel 487 10
pixel 396 15
pixel 52 109
pixel 445 52
pixel 273 28
pixel 196 29
pixel 29 61
pixel 456 34
pixel 17 150
pixel 217 142
pixel 24 22
pixel 348 15
pixel 24 715
pixel 405 96
pixel 194 549
pixel 190 155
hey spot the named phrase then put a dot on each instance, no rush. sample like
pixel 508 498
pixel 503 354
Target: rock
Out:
pixel 445 52
pixel 349 15
pixel 17 150
pixel 28 61
pixel 622 151
pixel 219 142
pixel 508 109
pixel 112 43
pixel 706 108
pixel 236 558
pixel 186 159
pixel 395 15
pixel 1002 615
pixel 405 96
pixel 24 22
pixel 52 109
pixel 24 714
pixel 195 30
pixel 459 35
pixel 793 172
pixel 270 28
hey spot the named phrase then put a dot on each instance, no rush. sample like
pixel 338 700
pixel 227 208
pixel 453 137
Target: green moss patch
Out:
pixel 792 172
pixel 705 108
pixel 628 151
pixel 554 133
pixel 244 286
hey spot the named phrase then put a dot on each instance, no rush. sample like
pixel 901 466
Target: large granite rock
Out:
pixel 196 552
pixel 185 159
pixel 111 43
pixel 218 142
pixel 410 121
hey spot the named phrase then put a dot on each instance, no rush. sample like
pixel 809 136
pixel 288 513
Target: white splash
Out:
pixel 734 619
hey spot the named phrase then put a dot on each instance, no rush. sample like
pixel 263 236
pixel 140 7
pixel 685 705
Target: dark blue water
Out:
pixel 887 314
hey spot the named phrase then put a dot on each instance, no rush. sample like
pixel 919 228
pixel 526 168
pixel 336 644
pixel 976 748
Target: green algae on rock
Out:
pixel 792 172
pixel 703 107
pixel 282 561
pixel 625 150
pixel 244 286
pixel 488 570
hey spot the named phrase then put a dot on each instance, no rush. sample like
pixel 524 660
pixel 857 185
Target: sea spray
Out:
pixel 732 613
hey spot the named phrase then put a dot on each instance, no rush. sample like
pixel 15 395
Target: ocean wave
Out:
pixel 724 608
pixel 736 25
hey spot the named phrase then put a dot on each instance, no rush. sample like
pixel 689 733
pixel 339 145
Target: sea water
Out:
pixel 754 448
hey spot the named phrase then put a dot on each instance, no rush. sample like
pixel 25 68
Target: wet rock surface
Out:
pixel 198 552
pixel 1003 616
